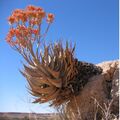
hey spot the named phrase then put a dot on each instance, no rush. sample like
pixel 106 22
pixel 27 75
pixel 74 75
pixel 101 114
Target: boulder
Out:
pixel 99 99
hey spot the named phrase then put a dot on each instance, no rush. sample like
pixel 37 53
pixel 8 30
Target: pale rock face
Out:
pixel 100 92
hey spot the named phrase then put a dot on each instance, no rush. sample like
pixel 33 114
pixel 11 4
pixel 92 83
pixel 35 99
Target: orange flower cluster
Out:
pixel 25 25
pixel 21 35
pixel 50 18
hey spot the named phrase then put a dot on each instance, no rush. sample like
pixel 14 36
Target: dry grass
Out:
pixel 101 112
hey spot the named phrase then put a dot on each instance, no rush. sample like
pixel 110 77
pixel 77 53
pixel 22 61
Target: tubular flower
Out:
pixel 10 35
pixel 17 33
pixel 50 18
pixel 35 31
pixel 8 38
pixel 31 8
pixel 12 32
pixel 39 9
pixel 11 19
pixel 33 22
pixel 31 14
pixel 40 14
pixel 17 11
pixel 10 41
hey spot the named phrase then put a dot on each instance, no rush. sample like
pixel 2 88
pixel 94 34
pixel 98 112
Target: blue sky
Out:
pixel 91 24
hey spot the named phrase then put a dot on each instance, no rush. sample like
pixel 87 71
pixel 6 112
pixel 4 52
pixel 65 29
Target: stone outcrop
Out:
pixel 100 97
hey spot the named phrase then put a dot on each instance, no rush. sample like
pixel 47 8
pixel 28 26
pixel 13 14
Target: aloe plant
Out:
pixel 53 72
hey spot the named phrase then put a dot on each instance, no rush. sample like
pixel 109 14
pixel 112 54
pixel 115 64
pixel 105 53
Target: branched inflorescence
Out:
pixel 26 26
pixel 54 75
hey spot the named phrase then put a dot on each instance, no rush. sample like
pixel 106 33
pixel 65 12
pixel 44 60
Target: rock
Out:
pixel 99 98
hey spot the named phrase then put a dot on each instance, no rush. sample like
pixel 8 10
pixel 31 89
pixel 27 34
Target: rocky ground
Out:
pixel 28 116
